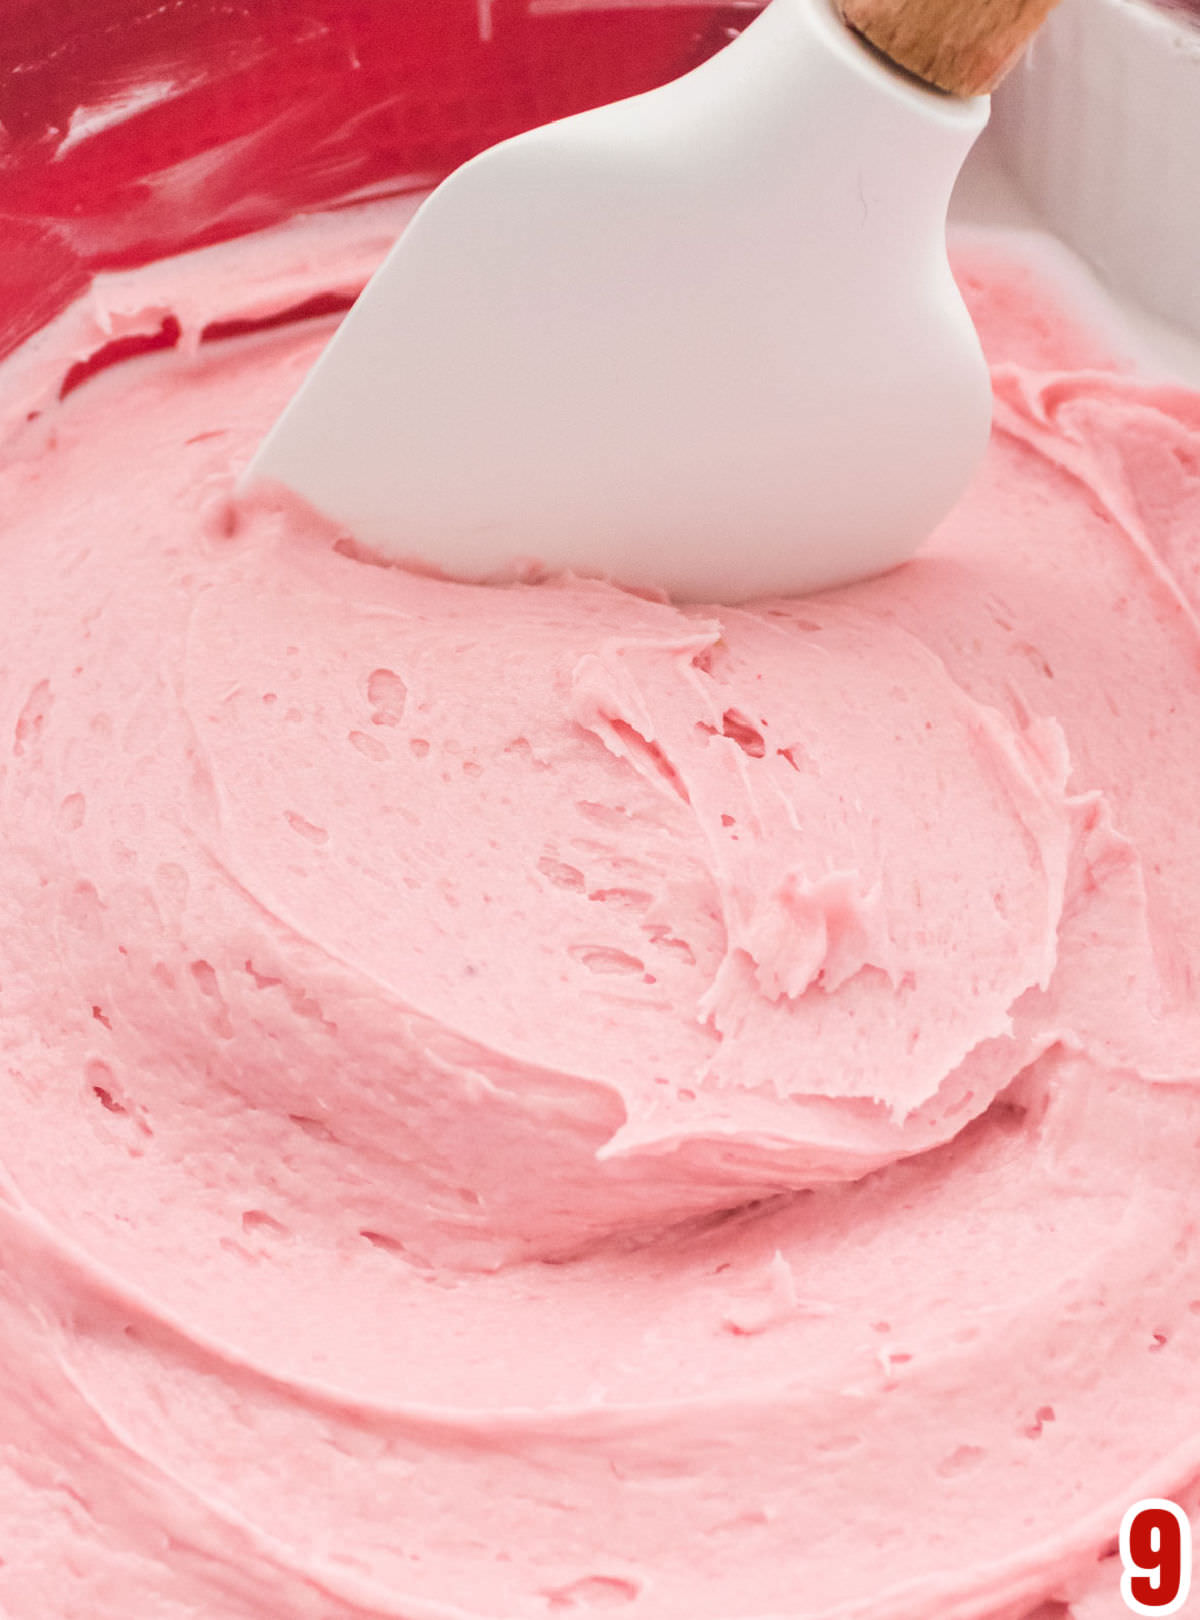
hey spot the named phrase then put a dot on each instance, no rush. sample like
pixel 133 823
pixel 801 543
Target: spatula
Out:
pixel 705 340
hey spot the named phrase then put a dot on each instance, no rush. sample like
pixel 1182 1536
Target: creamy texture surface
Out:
pixel 529 1102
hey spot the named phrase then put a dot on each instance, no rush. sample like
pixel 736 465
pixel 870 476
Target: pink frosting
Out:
pixel 523 1102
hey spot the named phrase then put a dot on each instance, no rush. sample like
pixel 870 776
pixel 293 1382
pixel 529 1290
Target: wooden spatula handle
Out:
pixel 963 46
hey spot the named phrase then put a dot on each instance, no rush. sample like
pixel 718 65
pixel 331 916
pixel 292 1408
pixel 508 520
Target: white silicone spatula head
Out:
pixel 704 340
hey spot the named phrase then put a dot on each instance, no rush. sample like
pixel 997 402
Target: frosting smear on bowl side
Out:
pixel 530 1101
